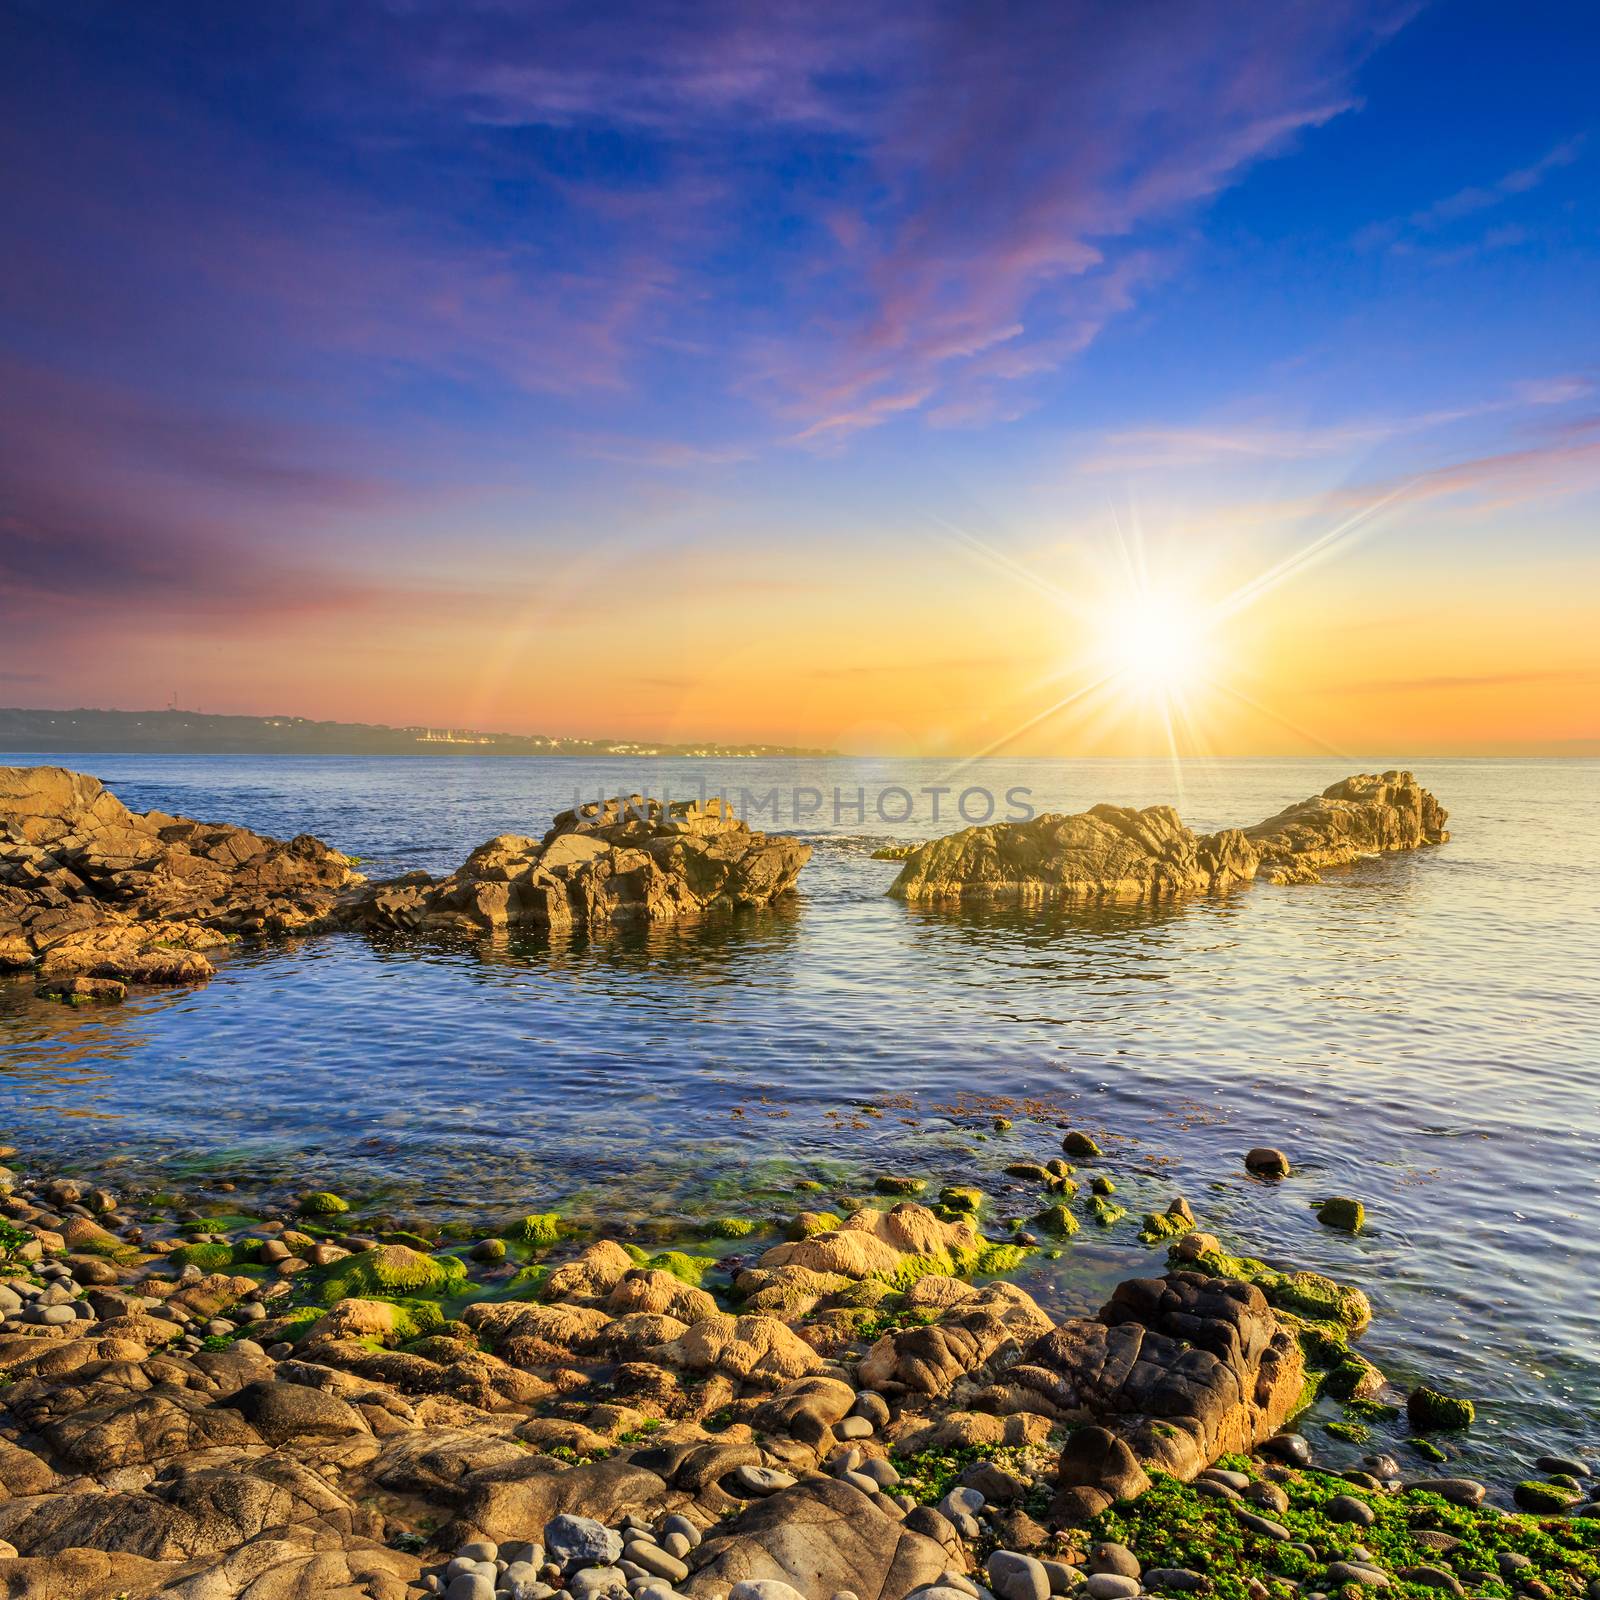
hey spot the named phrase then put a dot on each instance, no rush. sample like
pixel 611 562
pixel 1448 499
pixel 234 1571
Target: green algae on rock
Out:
pixel 1058 1220
pixel 1343 1213
pixel 1430 1410
pixel 391 1269
pixel 323 1203
pixel 888 1183
pixel 539 1230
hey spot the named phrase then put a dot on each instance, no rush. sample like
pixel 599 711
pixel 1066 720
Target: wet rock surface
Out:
pixel 1116 854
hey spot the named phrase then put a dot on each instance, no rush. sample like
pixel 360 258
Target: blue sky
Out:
pixel 335 340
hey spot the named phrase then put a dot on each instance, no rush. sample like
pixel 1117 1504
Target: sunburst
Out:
pixel 1149 643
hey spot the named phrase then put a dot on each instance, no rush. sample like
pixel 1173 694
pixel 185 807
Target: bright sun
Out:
pixel 1155 643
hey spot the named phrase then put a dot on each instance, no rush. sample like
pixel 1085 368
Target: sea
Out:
pixel 1420 1032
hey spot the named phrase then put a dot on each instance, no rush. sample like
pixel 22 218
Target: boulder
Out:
pixel 929 1360
pixel 89 888
pixel 623 861
pixel 820 1536
pixel 1174 1373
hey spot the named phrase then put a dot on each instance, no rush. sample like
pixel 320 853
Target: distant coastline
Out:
pixel 174 732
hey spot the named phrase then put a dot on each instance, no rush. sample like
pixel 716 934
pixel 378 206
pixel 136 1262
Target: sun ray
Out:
pixel 1292 565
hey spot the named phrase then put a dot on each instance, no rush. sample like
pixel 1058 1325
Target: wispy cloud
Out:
pixel 1254 440
pixel 1413 233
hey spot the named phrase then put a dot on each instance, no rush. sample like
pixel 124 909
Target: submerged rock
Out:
pixel 1114 853
pixel 88 887
pixel 623 861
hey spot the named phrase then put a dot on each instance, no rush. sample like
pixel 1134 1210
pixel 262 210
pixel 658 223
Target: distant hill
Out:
pixel 198 733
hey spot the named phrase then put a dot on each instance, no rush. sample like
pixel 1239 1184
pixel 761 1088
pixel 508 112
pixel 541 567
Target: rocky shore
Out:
pixel 1116 854
pixel 212 1396
pixel 97 897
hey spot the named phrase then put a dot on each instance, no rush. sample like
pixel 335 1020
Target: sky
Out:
pixel 1046 378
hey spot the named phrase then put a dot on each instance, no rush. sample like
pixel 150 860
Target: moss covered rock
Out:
pixel 1430 1410
pixel 888 1183
pixel 1343 1213
pixel 323 1203
pixel 213 1257
pixel 392 1270
pixel 539 1230
pixel 686 1268
pixel 1547 1499
pixel 731 1228
pixel 1058 1220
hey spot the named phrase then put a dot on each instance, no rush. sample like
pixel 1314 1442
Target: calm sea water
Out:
pixel 1421 1032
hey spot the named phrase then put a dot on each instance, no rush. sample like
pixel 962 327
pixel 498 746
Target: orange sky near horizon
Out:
pixel 950 653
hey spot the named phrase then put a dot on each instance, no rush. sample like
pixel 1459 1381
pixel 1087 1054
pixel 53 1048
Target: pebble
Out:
pixel 857 1480
pixel 1432 1578
pixel 1290 1447
pixel 880 1471
pixel 854 1428
pixel 676 1525
pixel 1264 1526
pixel 1108 1557
pixel 1458 1491
pixel 969 1501
pixel 1063 1579
pixel 1213 1489
pixel 1348 1508
pixel 591 1582
pixel 1268 1496
pixel 1266 1162
pixel 1014 1576
pixel 574 1542
pixel 470 1586
pixel 1175 1580
pixel 1365 1577
pixel 479 1550
pixel 1237 1481
pixel 764 1589
pixel 768 1480
pixel 1110 1586
pixel 873 1407
pixel 657 1562
pixel 1567 1464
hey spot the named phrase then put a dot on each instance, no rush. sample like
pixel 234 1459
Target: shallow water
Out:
pixel 1419 1031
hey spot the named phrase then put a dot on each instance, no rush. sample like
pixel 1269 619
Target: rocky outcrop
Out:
pixel 97 897
pixel 1114 854
pixel 1360 816
pixel 623 862
pixel 89 888
pixel 1175 1372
